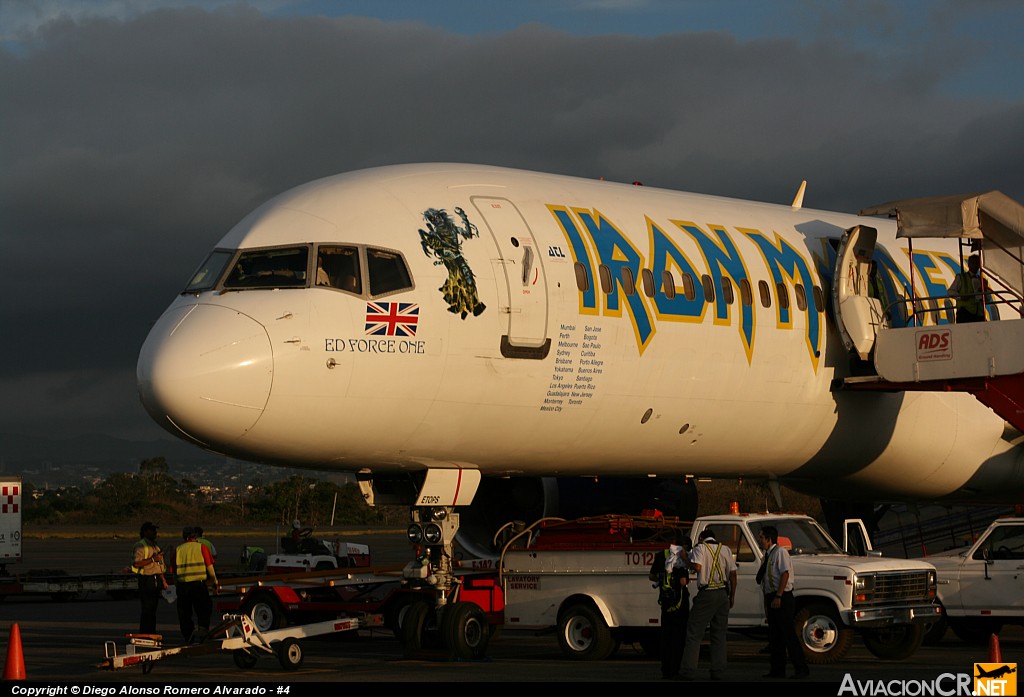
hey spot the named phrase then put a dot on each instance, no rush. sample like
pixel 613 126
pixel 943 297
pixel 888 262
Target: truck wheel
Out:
pixel 974 630
pixel 465 631
pixel 935 631
pixel 895 643
pixel 419 628
pixel 289 653
pixel 266 611
pixel 583 635
pixel 822 635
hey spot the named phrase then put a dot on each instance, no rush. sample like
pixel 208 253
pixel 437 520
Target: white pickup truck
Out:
pixel 980 585
pixel 588 579
pixel 890 602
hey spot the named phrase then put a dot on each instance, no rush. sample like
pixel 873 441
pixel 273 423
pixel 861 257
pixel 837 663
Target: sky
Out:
pixel 135 133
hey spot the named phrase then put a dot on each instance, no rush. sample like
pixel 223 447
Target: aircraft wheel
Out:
pixel 289 653
pixel 265 611
pixel 465 630
pixel 419 628
pixel 822 635
pixel 583 634
pixel 895 643
pixel 243 659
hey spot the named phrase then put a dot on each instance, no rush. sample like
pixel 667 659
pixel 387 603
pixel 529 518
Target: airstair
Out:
pixel 912 343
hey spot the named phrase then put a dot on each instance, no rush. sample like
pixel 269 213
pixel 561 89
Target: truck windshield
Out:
pixel 800 536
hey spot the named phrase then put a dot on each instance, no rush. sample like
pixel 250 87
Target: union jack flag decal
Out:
pixel 392 319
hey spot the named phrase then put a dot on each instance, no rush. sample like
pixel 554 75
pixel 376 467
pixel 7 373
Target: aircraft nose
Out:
pixel 205 371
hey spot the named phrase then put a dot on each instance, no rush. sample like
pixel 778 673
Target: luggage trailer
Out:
pixel 241 637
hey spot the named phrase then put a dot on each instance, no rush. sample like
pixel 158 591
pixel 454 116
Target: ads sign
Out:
pixel 934 345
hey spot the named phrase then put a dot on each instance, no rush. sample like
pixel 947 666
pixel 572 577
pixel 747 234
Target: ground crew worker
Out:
pixel 193 569
pixel 148 564
pixel 670 576
pixel 970 291
pixel 201 538
pixel 716 593
pixel 776 579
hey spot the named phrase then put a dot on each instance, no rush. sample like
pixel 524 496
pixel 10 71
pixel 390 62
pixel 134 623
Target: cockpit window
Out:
pixel 388 273
pixel 338 267
pixel 281 267
pixel 209 272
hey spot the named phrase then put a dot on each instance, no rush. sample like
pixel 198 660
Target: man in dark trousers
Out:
pixel 670 576
pixel 148 564
pixel 776 579
pixel 193 569
pixel 715 568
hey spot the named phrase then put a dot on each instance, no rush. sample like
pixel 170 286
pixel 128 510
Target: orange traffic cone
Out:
pixel 15 667
pixel 995 655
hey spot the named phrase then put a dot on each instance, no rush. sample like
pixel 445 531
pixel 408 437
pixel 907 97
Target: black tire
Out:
pixel 419 629
pixel 465 631
pixel 289 653
pixel 896 643
pixel 935 632
pixel 583 634
pixel 243 659
pixel 266 611
pixel 823 637
pixel 974 631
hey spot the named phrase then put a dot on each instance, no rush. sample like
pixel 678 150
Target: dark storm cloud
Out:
pixel 130 147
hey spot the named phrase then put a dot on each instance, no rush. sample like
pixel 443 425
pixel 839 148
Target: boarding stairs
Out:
pixel 985 359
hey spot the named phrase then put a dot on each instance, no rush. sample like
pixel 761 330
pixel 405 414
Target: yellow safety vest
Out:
pixel 146 547
pixel 190 563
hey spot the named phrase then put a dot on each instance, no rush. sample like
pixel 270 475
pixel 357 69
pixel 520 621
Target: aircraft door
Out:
pixel 526 299
pixel 859 315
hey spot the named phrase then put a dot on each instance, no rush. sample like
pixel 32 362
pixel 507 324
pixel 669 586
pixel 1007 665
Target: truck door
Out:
pixel 525 299
pixel 749 607
pixel 856 540
pixel 992 576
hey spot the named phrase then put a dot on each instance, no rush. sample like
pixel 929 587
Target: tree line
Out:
pixel 152 493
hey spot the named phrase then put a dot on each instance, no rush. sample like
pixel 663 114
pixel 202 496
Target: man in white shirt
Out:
pixel 776 579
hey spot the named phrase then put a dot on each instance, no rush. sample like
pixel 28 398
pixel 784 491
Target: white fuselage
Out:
pixel 628 385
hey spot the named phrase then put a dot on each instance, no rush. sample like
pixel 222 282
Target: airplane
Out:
pixel 519 344
pixel 995 672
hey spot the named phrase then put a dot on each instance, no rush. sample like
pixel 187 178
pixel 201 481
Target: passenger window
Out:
pixel 709 288
pixel 783 295
pixel 582 277
pixel 606 279
pixel 766 295
pixel 338 267
pixel 668 284
pixel 801 297
pixel 281 267
pixel 628 283
pixel 689 289
pixel 388 272
pixel 727 294
pixel 819 299
pixel 647 277
pixel 746 296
